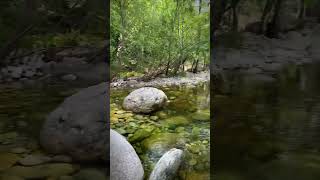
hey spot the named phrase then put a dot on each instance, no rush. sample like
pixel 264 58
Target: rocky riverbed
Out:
pixel 263 57
pixel 183 124
pixel 71 65
pixel 22 113
pixel 190 80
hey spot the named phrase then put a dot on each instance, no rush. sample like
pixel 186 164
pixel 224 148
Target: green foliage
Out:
pixel 73 38
pixel 56 22
pixel 147 34
pixel 130 74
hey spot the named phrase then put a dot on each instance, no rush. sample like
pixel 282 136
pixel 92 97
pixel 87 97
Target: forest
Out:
pixel 40 26
pixel 151 38
pixel 271 17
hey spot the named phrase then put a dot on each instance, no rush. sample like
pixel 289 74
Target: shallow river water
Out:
pixel 22 113
pixel 183 124
pixel 268 130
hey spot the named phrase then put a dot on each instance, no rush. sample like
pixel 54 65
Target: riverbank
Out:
pixel 189 80
pixel 263 57
pixel 74 65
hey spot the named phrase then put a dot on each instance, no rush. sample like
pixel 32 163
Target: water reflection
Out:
pixel 268 127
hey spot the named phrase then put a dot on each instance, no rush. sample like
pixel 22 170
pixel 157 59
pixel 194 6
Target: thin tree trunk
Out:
pixel 234 19
pixel 265 15
pixel 302 8
pixel 274 27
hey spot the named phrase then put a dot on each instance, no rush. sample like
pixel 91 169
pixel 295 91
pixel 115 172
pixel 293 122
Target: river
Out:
pixel 183 124
pixel 268 130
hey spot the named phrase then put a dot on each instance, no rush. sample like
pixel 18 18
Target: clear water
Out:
pixel 268 130
pixel 173 127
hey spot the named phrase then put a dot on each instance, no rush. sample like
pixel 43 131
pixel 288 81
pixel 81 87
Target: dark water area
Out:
pixel 184 124
pixel 23 111
pixel 268 130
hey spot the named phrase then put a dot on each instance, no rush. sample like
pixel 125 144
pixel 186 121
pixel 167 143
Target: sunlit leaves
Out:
pixel 158 31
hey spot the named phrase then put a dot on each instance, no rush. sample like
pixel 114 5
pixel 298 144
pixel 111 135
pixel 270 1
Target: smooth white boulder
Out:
pixel 124 161
pixel 145 100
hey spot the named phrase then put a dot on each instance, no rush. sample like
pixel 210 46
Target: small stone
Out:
pixel 15 71
pixel 140 135
pixel 29 73
pixel 69 77
pixel 132 124
pixel 120 112
pixel 205 142
pixel 61 158
pixel 195 131
pixel 32 160
pixel 39 73
pixel 180 129
pixel 162 114
pixel 192 162
pixel 177 121
pixel 139 117
pixel 154 118
pixel 19 150
pixel 201 115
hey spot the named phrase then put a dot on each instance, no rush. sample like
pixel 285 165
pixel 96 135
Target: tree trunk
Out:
pixel 234 19
pixel 266 16
pixel 274 27
pixel 217 9
pixel 195 69
pixel 302 9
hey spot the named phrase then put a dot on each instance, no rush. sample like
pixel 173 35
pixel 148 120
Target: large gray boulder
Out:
pixel 145 100
pixel 168 165
pixel 124 161
pixel 79 126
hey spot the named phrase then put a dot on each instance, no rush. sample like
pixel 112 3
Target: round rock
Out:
pixel 124 161
pixel 79 126
pixel 145 100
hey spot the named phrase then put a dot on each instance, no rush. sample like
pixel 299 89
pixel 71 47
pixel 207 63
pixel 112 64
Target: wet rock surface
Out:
pixel 168 165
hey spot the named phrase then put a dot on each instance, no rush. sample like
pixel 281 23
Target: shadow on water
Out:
pixel 268 130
